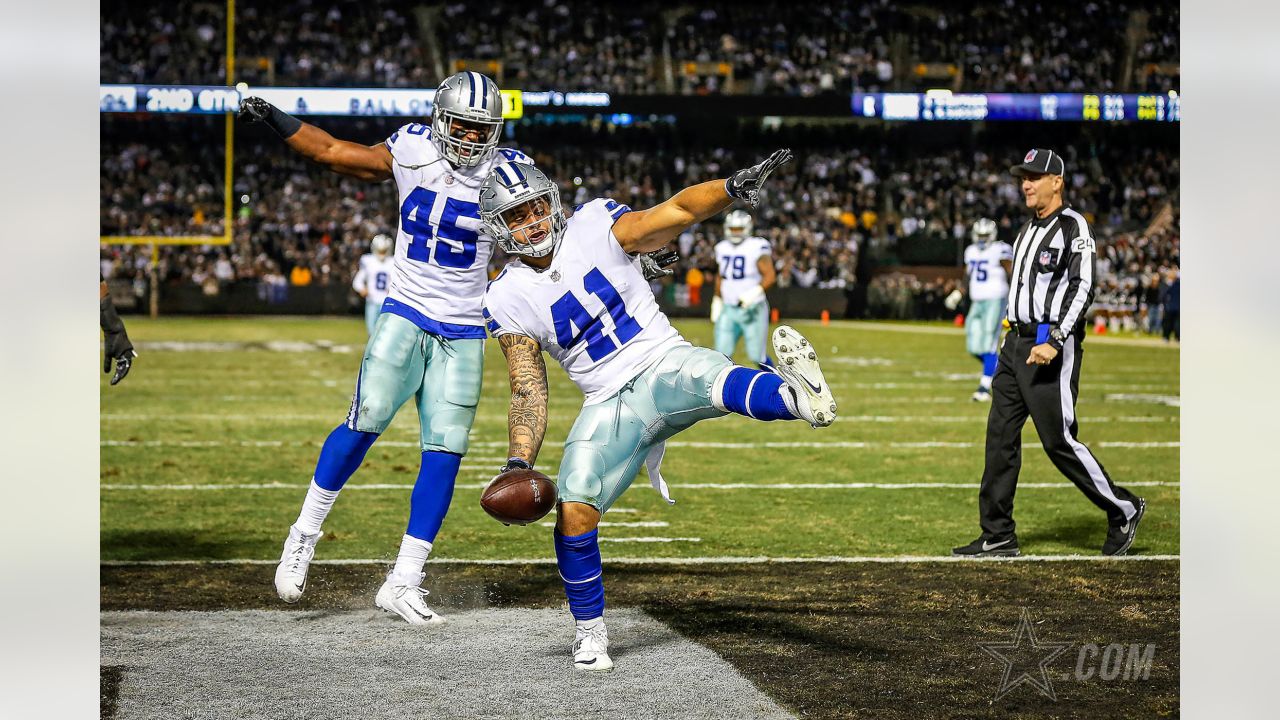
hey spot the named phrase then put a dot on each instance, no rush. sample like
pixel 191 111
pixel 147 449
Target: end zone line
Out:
pixel 719 560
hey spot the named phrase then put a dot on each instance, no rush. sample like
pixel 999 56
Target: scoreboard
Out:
pixel 945 105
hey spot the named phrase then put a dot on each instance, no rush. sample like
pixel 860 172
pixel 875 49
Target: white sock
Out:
pixel 315 508
pixel 413 555
pixel 589 624
pixel 985 383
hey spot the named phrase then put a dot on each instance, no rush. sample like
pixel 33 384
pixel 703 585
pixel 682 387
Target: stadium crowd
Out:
pixel 848 193
pixel 806 48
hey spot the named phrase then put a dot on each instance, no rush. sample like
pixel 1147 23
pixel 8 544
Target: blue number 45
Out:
pixel 567 313
pixel 415 220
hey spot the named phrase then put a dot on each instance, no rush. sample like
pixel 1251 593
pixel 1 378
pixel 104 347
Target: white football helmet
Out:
pixel 508 187
pixel 984 231
pixel 381 245
pixel 737 226
pixel 473 99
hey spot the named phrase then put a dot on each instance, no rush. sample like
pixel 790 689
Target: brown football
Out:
pixel 519 497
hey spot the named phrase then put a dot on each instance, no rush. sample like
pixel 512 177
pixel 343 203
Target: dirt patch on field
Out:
pixel 825 641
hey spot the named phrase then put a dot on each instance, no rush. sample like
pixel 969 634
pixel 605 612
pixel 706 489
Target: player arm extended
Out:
pixel 366 162
pixel 644 231
pixel 527 417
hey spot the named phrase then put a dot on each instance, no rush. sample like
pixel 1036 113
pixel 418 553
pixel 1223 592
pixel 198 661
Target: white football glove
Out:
pixel 717 306
pixel 953 300
pixel 751 296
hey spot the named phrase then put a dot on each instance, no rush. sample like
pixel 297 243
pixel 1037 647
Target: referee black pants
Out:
pixel 1046 393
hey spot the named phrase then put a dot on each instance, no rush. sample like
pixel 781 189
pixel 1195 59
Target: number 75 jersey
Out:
pixel 591 309
pixel 442 253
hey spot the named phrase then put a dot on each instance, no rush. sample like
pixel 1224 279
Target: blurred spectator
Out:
pixel 894 191
pixel 804 48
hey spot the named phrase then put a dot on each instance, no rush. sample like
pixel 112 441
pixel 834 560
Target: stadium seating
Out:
pixel 644 47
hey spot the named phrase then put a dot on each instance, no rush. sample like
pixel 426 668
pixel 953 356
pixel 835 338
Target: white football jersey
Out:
pixel 591 309
pixel 442 253
pixel 740 266
pixel 374 277
pixel 987 279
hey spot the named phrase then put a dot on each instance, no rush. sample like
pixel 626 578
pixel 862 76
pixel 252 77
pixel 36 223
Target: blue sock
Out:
pixel 578 557
pixel 989 364
pixel 767 365
pixel 432 494
pixel 754 393
pixel 341 455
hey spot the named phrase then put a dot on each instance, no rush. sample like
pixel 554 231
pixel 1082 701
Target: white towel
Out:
pixel 653 464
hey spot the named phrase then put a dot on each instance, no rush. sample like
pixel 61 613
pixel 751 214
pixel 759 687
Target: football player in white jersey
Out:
pixel 428 341
pixel 987 263
pixel 740 307
pixel 373 279
pixel 575 291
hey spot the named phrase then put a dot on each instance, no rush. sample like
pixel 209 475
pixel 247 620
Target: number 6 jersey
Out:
pixel 442 254
pixel 591 309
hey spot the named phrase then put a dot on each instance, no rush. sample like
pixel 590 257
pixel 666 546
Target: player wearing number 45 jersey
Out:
pixel 428 341
pixel 576 291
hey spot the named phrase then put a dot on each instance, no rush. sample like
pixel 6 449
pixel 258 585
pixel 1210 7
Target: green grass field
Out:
pixel 210 442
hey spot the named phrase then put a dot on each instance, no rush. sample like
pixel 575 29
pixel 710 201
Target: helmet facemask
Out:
pixel 466 105
pixel 450 131
pixel 737 226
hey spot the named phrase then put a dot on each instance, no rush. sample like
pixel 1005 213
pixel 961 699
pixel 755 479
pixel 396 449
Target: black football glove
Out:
pixel 653 263
pixel 117 347
pixel 745 185
pixel 255 109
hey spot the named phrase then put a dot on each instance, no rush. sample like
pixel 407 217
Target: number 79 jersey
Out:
pixel 591 309
pixel 442 254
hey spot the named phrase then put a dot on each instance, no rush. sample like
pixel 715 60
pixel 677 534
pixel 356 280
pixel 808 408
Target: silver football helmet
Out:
pixel 381 245
pixel 984 231
pixel 472 99
pixel 737 226
pixel 508 187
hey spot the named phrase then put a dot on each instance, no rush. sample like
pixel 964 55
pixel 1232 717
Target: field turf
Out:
pixel 208 445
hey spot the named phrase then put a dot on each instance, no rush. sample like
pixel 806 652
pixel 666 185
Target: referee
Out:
pixel 1039 369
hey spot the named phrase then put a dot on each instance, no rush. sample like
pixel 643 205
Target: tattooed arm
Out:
pixel 527 418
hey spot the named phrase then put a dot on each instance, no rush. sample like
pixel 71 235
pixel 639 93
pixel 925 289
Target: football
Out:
pixel 519 497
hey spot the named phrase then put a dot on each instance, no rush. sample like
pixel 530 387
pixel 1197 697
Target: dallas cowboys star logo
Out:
pixel 1031 659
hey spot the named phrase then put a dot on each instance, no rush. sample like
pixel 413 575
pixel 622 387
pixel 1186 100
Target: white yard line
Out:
pixel 214 417
pixel 676 485
pixel 717 560
pixel 849 444
pixel 606 523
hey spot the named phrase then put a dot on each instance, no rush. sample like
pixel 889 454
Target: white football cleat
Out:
pixel 981 395
pixel 591 649
pixel 291 573
pixel 798 365
pixel 404 598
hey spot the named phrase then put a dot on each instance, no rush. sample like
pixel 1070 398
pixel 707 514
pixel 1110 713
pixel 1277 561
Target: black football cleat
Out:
pixel 987 547
pixel 1120 537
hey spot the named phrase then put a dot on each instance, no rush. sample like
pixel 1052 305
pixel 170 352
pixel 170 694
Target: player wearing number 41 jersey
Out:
pixel 576 291
pixel 428 341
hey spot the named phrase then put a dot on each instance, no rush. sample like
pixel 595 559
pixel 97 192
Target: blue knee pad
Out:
pixel 578 557
pixel 754 393
pixel 432 493
pixel 341 455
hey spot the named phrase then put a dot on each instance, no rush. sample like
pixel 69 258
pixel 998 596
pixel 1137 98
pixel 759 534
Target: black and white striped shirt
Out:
pixel 1053 269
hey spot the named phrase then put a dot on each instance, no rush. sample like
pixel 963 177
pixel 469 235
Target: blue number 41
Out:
pixel 567 313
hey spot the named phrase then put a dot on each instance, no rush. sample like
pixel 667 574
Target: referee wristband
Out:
pixel 282 122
